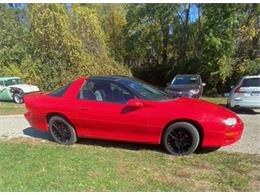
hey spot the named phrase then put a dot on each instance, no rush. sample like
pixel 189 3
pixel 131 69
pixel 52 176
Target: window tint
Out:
pixel 61 91
pixel 13 82
pixel 186 80
pixel 146 91
pixel 107 91
pixel 253 82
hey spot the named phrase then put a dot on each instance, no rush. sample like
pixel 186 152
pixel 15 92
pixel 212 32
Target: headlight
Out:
pixel 194 91
pixel 230 122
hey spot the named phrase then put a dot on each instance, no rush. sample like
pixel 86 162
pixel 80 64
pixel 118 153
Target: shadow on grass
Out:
pixel 111 144
pixel 36 134
pixel 7 101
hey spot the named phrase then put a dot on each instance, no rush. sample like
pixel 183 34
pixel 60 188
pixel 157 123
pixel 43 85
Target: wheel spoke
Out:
pixel 171 134
pixel 61 131
pixel 179 140
pixel 55 126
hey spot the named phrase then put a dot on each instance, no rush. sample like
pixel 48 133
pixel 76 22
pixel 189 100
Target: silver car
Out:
pixel 246 94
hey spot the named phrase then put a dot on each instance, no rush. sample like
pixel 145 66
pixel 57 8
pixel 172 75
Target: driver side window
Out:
pixel 106 91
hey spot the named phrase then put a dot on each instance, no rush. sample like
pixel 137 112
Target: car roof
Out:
pixel 112 77
pixel 197 75
pixel 251 76
pixel 6 78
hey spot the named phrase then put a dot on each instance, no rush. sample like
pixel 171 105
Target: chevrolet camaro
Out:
pixel 121 108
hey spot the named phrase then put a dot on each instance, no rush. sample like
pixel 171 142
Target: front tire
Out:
pixel 18 98
pixel 181 138
pixel 62 131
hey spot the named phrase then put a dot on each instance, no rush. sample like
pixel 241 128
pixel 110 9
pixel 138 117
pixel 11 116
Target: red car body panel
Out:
pixel 112 121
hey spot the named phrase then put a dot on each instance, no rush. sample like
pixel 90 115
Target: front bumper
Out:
pixel 183 94
pixel 233 134
pixel 223 135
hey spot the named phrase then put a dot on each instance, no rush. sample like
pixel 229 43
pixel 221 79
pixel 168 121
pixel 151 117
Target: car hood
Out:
pixel 183 87
pixel 198 105
pixel 26 88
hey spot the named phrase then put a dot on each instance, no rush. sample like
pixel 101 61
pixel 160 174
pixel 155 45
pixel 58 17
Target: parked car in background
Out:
pixel 189 85
pixel 13 89
pixel 126 109
pixel 246 94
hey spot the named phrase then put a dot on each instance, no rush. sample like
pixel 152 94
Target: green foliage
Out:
pixel 222 44
pixel 61 45
pixel 50 45
pixel 12 40
pixel 112 17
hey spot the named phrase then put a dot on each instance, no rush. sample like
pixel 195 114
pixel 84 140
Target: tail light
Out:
pixel 237 90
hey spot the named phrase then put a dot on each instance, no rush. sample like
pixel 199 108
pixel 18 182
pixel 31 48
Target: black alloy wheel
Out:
pixel 181 138
pixel 62 131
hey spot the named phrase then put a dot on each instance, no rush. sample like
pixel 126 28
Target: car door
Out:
pixel 103 113
pixel 4 93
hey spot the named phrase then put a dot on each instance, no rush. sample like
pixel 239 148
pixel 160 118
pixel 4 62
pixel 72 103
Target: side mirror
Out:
pixel 203 84
pixel 135 103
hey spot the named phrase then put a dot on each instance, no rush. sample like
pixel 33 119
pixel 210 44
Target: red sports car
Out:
pixel 126 109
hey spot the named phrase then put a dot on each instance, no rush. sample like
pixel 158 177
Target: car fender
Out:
pixel 6 94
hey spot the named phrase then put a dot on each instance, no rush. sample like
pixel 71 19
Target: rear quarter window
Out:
pixel 252 82
pixel 60 92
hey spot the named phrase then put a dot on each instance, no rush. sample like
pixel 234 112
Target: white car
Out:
pixel 246 94
pixel 13 88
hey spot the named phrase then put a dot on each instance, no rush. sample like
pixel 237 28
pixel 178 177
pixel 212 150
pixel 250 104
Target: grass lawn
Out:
pixel 36 166
pixel 11 108
pixel 216 100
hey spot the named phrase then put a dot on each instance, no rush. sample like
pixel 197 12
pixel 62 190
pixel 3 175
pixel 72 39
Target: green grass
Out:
pixel 7 108
pixel 216 100
pixel 36 166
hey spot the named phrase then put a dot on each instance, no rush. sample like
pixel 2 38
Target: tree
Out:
pixel 112 17
pixel 12 41
pixel 65 45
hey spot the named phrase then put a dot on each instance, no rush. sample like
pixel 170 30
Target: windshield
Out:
pixel 186 80
pixel 13 82
pixel 147 91
pixel 253 82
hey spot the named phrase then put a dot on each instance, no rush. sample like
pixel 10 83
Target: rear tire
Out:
pixel 181 138
pixel 62 131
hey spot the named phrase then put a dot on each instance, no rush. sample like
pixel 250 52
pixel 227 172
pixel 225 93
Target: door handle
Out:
pixel 83 108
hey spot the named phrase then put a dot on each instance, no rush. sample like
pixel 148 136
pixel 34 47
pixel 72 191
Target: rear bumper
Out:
pixel 245 104
pixel 28 117
pixel 38 122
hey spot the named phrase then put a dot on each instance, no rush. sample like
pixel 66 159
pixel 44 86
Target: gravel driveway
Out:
pixel 16 126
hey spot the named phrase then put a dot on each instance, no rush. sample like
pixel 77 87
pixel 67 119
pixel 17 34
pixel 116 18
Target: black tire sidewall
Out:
pixel 192 130
pixel 73 138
